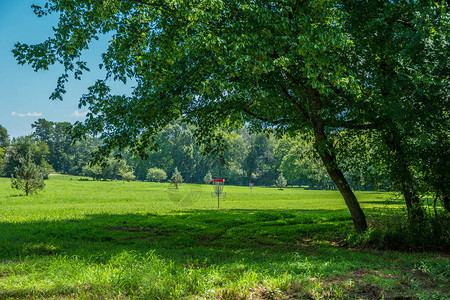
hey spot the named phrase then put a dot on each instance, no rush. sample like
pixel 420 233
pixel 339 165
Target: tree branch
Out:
pixel 407 24
pixel 150 4
pixel 274 122
pixel 295 103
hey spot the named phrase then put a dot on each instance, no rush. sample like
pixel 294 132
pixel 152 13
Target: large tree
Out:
pixel 402 56
pixel 283 64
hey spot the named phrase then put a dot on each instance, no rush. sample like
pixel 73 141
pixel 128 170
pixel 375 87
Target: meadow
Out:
pixel 138 240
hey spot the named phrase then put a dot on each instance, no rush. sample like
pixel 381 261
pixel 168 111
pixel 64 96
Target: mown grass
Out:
pixel 89 240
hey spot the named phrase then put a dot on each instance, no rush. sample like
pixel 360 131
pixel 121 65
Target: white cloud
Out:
pixel 33 114
pixel 78 114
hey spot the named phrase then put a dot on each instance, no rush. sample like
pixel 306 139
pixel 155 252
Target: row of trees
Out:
pixel 257 158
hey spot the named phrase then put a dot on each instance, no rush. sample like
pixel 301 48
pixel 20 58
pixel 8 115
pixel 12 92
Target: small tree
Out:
pixel 156 175
pixel 208 178
pixel 29 177
pixel 281 181
pixel 176 178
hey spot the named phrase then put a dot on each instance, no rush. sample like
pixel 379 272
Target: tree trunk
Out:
pixel 446 201
pixel 401 175
pixel 325 149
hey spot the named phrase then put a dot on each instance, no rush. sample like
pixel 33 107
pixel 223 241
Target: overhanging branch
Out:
pixel 295 103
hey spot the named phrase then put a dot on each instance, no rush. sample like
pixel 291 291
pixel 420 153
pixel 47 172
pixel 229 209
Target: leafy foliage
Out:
pixel 56 136
pixel 406 84
pixel 94 171
pixel 391 229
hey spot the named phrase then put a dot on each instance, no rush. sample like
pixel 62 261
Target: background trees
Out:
pixel 4 138
pixel 56 136
pixel 300 164
pixel 4 142
pixel 247 156
pixel 19 149
pixel 208 178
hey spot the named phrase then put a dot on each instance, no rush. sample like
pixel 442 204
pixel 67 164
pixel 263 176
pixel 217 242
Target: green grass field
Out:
pixel 115 240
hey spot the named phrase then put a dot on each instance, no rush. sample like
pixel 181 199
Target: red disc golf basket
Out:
pixel 250 186
pixel 218 190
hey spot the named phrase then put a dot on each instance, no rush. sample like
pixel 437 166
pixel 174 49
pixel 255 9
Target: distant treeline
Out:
pixel 246 157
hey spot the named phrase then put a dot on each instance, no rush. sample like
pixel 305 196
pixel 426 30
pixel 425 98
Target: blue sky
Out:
pixel 24 94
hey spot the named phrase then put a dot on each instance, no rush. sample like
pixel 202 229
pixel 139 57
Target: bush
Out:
pixel 128 176
pixel 391 229
pixel 156 175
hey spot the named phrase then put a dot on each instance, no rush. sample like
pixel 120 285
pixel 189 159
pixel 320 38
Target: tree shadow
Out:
pixel 214 232
pixel 301 243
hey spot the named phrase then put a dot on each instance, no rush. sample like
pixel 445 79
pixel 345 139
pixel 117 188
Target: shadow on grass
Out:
pixel 231 230
pixel 231 243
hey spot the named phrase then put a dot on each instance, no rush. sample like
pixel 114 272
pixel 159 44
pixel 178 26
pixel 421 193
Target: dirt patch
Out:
pixel 361 273
pixel 5 274
pixel 196 265
pixel 418 274
pixel 369 291
pixel 262 292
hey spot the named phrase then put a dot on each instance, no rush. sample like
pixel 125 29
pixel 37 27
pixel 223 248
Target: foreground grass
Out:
pixel 81 239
